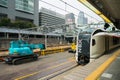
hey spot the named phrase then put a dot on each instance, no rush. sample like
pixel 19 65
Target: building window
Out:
pixel 25 5
pixel 23 19
pixel 3 3
pixel 3 16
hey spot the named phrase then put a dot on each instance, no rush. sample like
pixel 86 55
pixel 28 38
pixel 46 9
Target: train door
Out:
pixel 106 44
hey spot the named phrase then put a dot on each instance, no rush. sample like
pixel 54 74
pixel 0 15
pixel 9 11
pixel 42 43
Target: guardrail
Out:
pixel 95 75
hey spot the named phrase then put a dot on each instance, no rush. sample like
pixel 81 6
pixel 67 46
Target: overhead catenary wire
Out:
pixel 65 8
pixel 53 5
pixel 78 9
pixel 57 7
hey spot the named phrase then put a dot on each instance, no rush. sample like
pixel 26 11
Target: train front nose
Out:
pixel 83 52
pixel 83 59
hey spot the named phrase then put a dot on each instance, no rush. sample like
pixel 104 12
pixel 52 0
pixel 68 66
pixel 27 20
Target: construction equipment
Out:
pixel 21 51
pixel 73 48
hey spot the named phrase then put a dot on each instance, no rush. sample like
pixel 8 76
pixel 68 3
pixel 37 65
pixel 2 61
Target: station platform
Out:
pixel 103 68
pixel 113 71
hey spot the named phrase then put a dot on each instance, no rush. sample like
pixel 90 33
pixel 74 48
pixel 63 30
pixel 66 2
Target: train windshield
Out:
pixel 84 36
pixel 87 30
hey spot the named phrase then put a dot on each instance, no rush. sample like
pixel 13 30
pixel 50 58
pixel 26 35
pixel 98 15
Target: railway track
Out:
pixel 48 77
pixel 45 67
pixel 50 72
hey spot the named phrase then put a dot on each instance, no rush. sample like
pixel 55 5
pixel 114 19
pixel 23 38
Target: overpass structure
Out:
pixel 109 10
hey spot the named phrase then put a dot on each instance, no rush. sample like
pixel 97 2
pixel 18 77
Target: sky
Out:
pixel 66 8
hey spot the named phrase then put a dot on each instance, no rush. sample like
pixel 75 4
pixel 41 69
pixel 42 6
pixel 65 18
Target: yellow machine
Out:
pixel 73 48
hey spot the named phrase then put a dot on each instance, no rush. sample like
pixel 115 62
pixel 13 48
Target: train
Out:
pixel 93 45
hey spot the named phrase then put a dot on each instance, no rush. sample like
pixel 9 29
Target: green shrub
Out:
pixel 5 22
pixel 16 24
pixel 23 24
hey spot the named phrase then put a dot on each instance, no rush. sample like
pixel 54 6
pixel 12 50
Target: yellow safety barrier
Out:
pixel 52 50
pixel 73 46
pixel 98 72
pixel 49 50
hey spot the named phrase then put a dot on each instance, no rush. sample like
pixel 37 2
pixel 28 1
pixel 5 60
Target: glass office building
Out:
pixel 25 5
pixel 26 10
pixel 49 17
pixel 3 3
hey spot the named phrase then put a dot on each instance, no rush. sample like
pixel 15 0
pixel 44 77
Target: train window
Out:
pixel 93 42
pixel 115 40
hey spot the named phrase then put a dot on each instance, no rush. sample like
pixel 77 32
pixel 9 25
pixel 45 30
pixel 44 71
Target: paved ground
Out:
pixel 113 72
pixel 45 66
pixel 59 66
pixel 81 73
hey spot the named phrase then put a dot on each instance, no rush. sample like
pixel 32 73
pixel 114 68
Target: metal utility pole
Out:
pixel 45 33
pixel 45 40
pixel 60 39
pixel 19 35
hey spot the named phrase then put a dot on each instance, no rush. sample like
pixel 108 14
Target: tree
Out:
pixel 5 22
pixel 23 24
pixel 16 24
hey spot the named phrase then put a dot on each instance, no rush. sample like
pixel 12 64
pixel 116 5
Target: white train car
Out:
pixel 100 43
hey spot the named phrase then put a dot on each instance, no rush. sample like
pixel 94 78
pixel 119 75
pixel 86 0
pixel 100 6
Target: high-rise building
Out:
pixel 49 17
pixel 82 19
pixel 70 21
pixel 26 10
pixel 85 20
pixel 69 18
